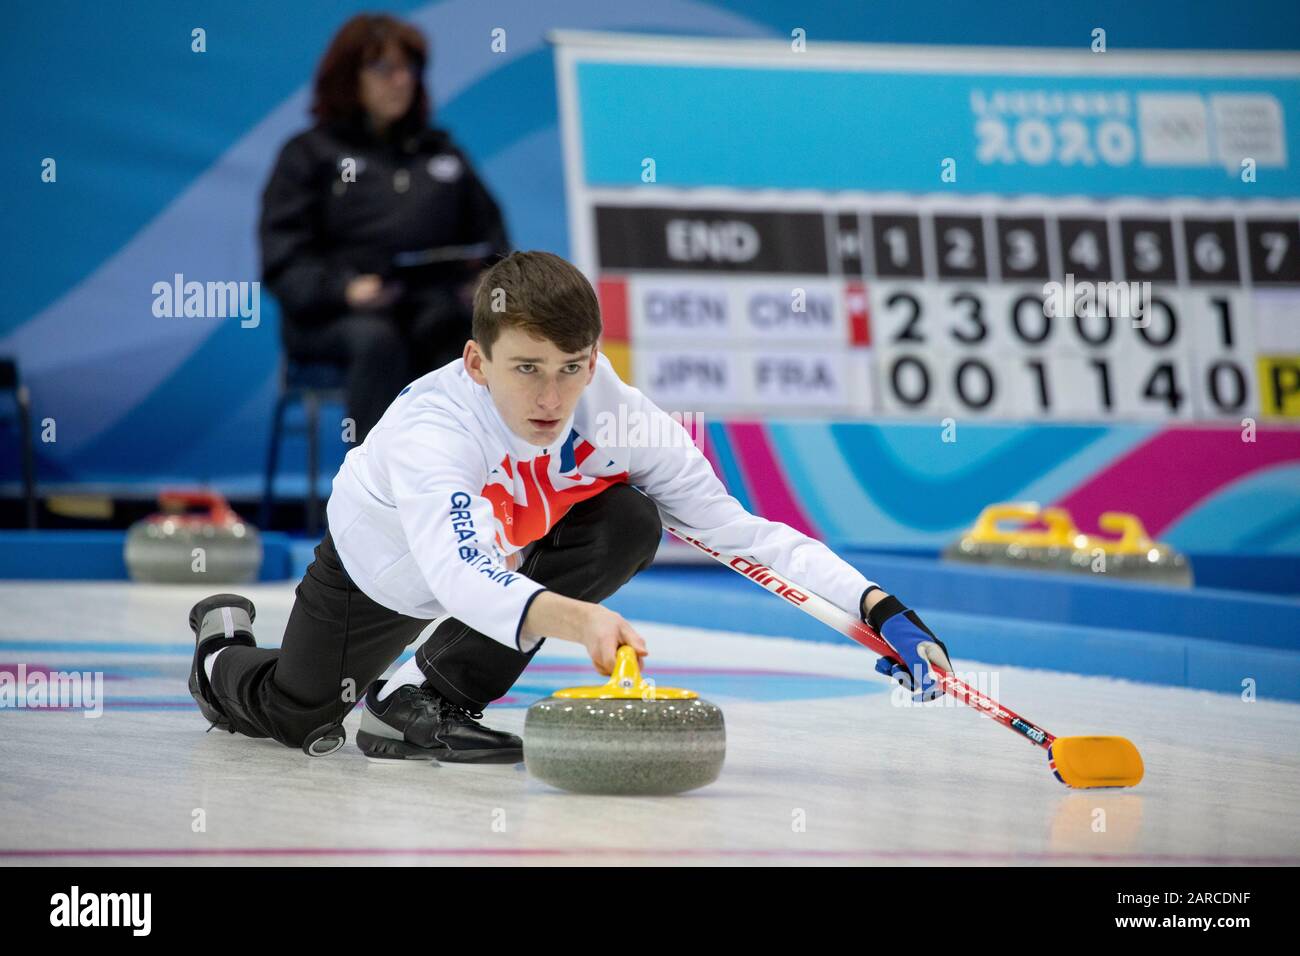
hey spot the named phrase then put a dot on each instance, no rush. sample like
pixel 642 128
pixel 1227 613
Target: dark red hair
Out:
pixel 359 42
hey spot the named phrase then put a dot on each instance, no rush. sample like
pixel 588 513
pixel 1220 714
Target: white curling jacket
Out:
pixel 428 514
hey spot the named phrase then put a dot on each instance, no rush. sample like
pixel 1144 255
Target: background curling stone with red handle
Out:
pixel 195 539
pixel 625 737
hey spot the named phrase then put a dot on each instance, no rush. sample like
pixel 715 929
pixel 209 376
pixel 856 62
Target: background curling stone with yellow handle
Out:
pixel 1063 547
pixel 1131 555
pixel 991 542
pixel 625 737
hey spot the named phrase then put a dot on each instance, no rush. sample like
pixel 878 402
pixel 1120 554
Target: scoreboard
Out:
pixel 1086 252
pixel 942 308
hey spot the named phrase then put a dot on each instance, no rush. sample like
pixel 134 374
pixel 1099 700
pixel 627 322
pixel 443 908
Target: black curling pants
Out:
pixel 338 640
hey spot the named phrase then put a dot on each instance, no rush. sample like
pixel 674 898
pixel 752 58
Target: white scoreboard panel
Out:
pixel 717 341
pixel 880 230
pixel 949 306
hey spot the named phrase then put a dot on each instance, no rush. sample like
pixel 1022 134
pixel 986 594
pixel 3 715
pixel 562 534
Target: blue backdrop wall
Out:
pixel 162 153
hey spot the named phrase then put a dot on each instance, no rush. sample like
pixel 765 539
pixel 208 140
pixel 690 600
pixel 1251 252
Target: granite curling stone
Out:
pixel 1063 547
pixel 625 737
pixel 213 546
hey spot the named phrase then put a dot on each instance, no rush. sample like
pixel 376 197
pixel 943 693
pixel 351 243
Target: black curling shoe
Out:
pixel 219 621
pixel 417 723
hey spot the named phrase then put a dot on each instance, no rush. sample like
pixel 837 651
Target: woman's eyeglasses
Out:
pixel 387 69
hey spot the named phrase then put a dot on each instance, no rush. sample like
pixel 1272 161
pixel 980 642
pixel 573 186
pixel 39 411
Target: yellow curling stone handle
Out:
pixel 1133 537
pixel 1060 532
pixel 626 683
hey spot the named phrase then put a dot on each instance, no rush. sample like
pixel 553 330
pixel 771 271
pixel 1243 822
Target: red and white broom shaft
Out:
pixel 854 629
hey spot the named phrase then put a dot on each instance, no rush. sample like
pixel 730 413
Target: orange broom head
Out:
pixel 1089 762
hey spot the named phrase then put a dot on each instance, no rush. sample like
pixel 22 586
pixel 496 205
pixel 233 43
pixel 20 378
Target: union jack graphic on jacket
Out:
pixel 529 497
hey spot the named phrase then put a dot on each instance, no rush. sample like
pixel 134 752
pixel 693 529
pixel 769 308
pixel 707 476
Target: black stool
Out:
pixel 309 383
pixel 9 382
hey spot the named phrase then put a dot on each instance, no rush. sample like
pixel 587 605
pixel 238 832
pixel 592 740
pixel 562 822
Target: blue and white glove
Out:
pixel 915 645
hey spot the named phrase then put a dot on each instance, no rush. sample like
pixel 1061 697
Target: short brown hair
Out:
pixel 538 293
pixel 359 42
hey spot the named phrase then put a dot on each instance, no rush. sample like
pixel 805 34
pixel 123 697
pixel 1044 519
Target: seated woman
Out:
pixel 374 224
